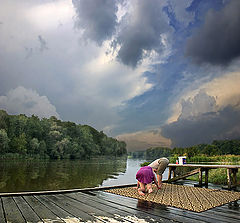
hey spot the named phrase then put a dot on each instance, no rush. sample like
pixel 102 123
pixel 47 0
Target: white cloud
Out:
pixel 50 15
pixel 86 84
pixel 105 79
pixel 200 104
pixel 26 101
pixel 209 97
pixel 226 89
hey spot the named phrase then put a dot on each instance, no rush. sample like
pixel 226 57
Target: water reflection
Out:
pixel 36 175
pixel 148 205
pixel 39 175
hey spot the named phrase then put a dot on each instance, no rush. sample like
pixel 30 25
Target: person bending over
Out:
pixel 159 166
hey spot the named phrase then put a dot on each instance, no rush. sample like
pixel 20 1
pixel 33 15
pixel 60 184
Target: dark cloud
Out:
pixel 141 30
pixel 97 18
pixel 217 41
pixel 205 128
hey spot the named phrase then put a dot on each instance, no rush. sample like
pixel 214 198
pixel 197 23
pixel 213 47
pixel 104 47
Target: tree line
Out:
pixel 218 147
pixel 53 138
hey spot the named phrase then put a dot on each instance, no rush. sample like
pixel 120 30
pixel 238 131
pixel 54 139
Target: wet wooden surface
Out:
pixel 100 206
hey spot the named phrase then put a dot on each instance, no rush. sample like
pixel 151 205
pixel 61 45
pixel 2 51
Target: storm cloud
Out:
pixel 204 128
pixel 217 41
pixel 97 18
pixel 141 32
pixel 202 122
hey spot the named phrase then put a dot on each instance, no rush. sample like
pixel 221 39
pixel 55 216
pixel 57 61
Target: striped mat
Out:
pixel 185 197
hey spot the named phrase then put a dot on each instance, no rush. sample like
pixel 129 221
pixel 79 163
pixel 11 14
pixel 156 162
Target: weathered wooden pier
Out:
pixel 95 205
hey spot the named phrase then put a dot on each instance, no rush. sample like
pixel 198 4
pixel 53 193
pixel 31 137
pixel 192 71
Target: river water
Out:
pixel 38 175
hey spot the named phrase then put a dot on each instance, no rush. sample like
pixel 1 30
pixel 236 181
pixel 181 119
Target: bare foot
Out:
pixel 150 190
pixel 140 193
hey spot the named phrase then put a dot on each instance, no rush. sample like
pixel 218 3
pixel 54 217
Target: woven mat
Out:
pixel 185 197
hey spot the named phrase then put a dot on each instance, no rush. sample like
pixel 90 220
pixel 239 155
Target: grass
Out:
pixel 216 176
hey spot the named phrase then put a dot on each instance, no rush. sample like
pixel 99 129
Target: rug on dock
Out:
pixel 185 197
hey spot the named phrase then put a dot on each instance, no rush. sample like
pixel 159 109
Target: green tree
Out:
pixel 4 141
pixel 4 120
pixel 42 149
pixel 33 146
pixel 54 138
pixel 19 144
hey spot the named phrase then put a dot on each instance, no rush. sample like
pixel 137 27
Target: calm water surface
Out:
pixel 36 175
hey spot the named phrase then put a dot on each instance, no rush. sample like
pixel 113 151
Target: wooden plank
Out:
pixel 26 210
pixel 193 172
pixel 149 208
pixel 206 178
pixel 117 209
pixel 56 209
pixel 200 177
pixel 90 205
pixel 64 191
pixel 71 207
pixel 232 216
pixel 113 210
pixel 170 172
pixel 12 212
pixel 229 178
pixel 2 218
pixel 44 213
pixel 232 207
pixel 234 181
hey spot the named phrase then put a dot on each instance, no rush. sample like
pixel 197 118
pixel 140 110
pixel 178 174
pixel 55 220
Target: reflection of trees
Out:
pixel 38 175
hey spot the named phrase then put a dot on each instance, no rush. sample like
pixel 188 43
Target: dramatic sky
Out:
pixel 150 72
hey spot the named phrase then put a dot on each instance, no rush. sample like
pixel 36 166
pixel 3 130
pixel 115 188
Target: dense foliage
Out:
pixel 218 147
pixel 54 138
pixel 197 153
pixel 158 152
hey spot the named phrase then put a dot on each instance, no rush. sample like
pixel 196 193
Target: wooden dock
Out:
pixel 95 205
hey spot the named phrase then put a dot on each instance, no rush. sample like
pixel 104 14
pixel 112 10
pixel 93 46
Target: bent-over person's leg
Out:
pixel 141 189
pixel 149 188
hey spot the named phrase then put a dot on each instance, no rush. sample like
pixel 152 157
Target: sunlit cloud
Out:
pixel 223 89
pixel 50 15
pixel 26 101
